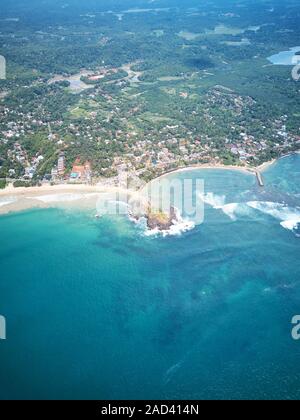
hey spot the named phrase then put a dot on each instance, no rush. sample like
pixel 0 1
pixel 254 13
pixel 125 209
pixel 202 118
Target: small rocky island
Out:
pixel 161 220
pixel 156 219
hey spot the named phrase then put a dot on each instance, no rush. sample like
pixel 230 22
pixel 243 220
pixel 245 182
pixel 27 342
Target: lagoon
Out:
pixel 76 84
pixel 285 58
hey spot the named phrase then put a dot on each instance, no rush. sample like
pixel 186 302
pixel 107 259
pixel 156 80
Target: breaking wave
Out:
pixel 61 198
pixel 213 200
pixel 232 210
pixel 179 227
pixel 7 202
pixel 289 217
pixel 176 230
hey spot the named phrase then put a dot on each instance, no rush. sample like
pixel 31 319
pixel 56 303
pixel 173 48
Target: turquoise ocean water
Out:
pixel 96 309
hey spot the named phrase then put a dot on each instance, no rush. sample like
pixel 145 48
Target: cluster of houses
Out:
pixel 18 154
pixel 159 148
pixel 80 172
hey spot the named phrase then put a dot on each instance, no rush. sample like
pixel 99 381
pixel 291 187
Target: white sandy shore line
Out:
pixel 244 169
pixel 249 169
pixel 19 199
pixel 62 188
pixel 266 165
pixel 79 196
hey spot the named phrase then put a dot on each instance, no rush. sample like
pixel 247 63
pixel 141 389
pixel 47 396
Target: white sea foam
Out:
pixel 176 230
pixel 7 202
pixel 232 210
pixel 179 227
pixel 289 217
pixel 213 200
pixel 291 224
pixel 61 198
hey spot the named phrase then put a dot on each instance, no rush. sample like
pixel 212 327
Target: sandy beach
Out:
pixel 266 165
pixel 244 169
pixel 86 196
pixel 77 196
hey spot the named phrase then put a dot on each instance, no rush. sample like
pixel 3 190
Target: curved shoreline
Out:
pixel 30 198
pixel 245 169
pixel 84 197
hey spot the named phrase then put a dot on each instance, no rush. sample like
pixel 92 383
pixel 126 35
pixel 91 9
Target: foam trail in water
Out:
pixel 213 200
pixel 171 372
pixel 174 369
pixel 232 210
pixel 289 217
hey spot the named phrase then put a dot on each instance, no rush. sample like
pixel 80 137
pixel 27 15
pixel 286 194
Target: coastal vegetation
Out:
pixel 2 184
pixel 18 184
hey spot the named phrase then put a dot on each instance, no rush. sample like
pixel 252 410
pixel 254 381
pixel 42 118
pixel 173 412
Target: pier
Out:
pixel 259 179
pixel 2 328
